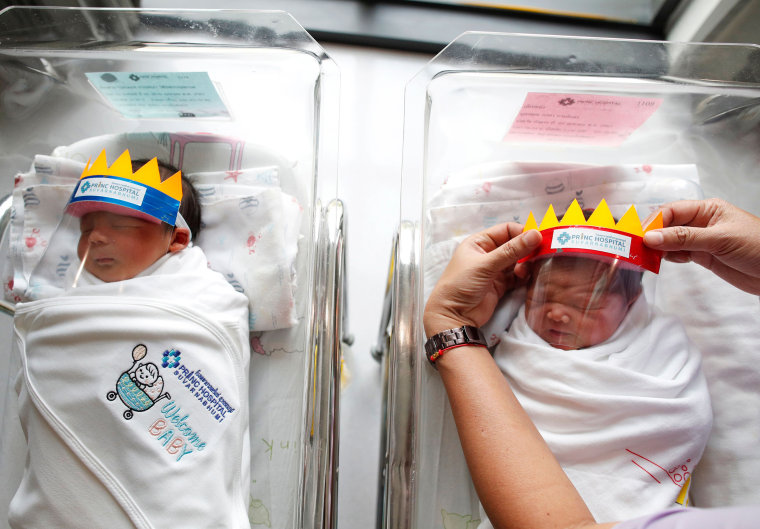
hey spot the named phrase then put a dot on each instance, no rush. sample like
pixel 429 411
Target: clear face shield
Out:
pixel 112 229
pixel 575 302
pixel 590 279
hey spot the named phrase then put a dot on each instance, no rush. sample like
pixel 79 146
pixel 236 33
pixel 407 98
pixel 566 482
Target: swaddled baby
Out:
pixel 133 391
pixel 614 387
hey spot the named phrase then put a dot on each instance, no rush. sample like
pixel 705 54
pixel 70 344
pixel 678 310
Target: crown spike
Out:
pixel 172 186
pixel 549 220
pixel 573 216
pixel 530 224
pixel 148 175
pixel 99 166
pixel 630 223
pixel 122 165
pixel 602 216
pixel 656 224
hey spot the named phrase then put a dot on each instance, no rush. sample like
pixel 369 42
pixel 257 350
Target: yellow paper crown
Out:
pixel 148 175
pixel 600 218
pixel 600 235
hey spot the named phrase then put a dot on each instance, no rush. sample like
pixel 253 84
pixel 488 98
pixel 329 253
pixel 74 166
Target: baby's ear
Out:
pixel 180 240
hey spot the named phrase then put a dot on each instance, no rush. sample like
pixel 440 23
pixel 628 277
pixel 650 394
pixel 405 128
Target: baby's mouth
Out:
pixel 556 336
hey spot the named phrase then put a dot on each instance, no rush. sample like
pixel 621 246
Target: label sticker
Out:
pixel 585 239
pixel 111 188
pixel 580 118
pixel 160 94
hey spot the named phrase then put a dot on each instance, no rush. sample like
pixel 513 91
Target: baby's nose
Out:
pixel 98 236
pixel 558 315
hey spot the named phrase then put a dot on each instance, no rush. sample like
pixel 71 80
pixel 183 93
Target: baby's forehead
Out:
pixel 562 266
pixel 102 214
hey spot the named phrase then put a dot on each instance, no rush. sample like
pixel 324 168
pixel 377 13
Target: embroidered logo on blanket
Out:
pixel 193 416
pixel 139 387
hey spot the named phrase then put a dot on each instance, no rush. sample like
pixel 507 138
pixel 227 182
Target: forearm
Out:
pixel 518 480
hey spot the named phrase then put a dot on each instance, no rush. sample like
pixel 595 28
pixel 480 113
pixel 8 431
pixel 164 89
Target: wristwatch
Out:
pixel 467 335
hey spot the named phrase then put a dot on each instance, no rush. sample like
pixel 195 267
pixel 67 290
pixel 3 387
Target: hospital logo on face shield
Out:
pixel 588 239
pixel 110 189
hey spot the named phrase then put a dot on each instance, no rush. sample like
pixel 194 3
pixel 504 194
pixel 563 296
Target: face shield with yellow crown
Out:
pixel 586 282
pixel 121 221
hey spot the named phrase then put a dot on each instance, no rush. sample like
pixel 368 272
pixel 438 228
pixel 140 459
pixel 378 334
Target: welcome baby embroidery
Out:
pixel 141 386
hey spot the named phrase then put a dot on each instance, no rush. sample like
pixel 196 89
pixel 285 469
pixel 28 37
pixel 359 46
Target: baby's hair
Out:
pixel 620 280
pixel 609 277
pixel 627 281
pixel 190 207
pixel 151 367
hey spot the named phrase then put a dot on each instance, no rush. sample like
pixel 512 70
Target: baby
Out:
pixel 176 410
pixel 614 387
pixel 115 246
pixel 578 302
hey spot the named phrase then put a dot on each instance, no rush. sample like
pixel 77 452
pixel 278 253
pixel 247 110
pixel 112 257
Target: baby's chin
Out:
pixel 560 340
pixel 109 274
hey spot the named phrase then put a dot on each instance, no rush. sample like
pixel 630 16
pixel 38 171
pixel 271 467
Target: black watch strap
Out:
pixel 467 335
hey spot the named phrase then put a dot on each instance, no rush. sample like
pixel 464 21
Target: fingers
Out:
pixel 683 212
pixel 685 223
pixel 683 238
pixel 497 235
pixel 507 254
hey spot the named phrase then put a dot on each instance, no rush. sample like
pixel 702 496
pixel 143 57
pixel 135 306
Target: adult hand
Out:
pixel 480 272
pixel 714 234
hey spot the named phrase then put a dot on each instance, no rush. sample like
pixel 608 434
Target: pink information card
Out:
pixel 580 118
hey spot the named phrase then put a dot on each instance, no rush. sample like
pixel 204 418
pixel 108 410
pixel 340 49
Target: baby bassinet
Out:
pixel 497 124
pixel 245 101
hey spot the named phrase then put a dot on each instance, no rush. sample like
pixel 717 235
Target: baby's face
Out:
pixel 562 308
pixel 144 375
pixel 118 247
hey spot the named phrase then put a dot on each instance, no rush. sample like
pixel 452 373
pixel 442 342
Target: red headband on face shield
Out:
pixel 598 236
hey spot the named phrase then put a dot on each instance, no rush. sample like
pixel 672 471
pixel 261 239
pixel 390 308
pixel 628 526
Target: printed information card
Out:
pixel 580 118
pixel 160 94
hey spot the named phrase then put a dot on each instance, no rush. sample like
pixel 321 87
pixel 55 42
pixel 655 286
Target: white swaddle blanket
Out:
pixel 627 419
pixel 104 451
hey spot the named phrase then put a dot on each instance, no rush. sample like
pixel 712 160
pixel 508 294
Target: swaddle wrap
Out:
pixel 133 397
pixel 627 419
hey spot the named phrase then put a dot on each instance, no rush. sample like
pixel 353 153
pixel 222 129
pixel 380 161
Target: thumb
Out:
pixel 682 238
pixel 507 255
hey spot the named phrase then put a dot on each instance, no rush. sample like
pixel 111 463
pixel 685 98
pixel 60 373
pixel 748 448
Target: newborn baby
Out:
pixel 614 386
pixel 577 302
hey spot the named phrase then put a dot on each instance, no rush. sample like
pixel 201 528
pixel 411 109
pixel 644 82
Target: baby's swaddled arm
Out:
pixel 518 480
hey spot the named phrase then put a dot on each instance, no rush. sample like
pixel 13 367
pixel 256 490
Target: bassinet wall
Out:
pixel 262 156
pixel 499 124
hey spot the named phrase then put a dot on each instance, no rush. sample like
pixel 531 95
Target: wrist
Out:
pixel 453 338
pixel 437 323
